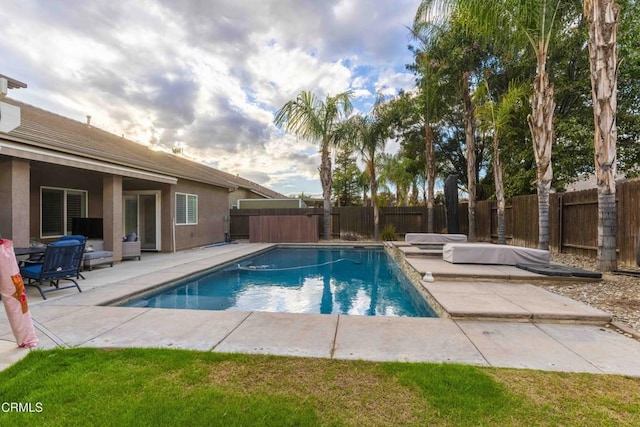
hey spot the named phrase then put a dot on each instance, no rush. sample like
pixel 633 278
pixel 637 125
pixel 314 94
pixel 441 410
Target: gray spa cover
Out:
pixel 487 253
pixel 434 238
pixel 560 270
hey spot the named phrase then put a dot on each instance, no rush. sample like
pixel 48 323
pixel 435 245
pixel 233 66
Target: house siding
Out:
pixel 212 209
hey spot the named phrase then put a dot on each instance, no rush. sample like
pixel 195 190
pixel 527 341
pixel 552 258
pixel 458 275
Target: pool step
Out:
pixel 510 301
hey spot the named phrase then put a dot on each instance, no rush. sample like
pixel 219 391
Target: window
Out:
pixel 186 208
pixel 58 206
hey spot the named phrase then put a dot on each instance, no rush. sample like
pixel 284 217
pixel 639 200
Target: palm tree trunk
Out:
pixel 374 201
pixel 499 183
pixel 603 60
pixel 325 179
pixel 543 135
pixel 414 194
pixel 431 173
pixel 470 141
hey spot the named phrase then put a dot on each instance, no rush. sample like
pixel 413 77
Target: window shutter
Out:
pixel 192 209
pixel 181 208
pixel 75 208
pixel 52 212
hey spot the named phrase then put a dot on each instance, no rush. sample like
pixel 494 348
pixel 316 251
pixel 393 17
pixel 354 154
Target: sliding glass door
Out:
pixel 141 215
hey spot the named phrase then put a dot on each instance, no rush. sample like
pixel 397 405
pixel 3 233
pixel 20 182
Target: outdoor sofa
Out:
pixel 96 255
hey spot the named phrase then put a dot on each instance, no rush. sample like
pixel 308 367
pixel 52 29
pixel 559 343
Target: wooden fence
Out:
pixel 240 218
pixel 347 220
pixel 573 221
pixel 283 228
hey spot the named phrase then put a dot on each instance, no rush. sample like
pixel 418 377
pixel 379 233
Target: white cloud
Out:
pixel 209 75
pixel 279 74
pixel 389 81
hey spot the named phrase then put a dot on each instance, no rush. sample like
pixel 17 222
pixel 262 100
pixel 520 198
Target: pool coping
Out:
pixel 147 283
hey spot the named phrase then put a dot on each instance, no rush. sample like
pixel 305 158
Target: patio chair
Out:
pixel 61 261
pixel 79 238
pixel 131 247
pixel 37 258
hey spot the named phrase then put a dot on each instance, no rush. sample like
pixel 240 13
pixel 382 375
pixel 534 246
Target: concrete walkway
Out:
pixel 543 334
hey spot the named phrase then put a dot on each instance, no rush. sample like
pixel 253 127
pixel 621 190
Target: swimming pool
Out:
pixel 356 281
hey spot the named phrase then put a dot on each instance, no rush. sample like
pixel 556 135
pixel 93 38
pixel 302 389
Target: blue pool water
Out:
pixel 308 280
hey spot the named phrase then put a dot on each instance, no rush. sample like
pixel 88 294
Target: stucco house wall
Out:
pixel 241 193
pixel 212 210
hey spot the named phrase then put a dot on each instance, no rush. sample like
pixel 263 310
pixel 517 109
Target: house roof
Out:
pixel 253 187
pixel 46 130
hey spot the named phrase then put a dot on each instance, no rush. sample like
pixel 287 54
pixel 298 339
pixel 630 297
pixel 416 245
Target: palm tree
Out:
pixel 310 118
pixel 470 142
pixel 426 109
pixel 602 16
pixel 369 143
pixel 368 135
pixel 516 23
pixel 450 56
pixel 395 170
pixel 494 117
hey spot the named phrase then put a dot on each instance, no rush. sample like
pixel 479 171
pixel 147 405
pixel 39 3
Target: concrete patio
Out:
pixel 488 324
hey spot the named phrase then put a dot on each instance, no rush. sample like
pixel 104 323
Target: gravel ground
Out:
pixel 617 294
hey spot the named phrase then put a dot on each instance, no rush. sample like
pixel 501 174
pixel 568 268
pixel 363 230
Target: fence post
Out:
pixel 560 221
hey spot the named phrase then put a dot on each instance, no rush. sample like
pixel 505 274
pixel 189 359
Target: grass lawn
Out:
pixel 174 387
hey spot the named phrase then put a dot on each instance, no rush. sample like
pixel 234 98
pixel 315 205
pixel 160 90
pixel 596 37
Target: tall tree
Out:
pixel 470 142
pixel 628 116
pixel 602 16
pixel 454 58
pixel 408 131
pixel 395 170
pixel 322 122
pixel 427 106
pixel 518 23
pixel 346 178
pixel 368 134
pixel 494 117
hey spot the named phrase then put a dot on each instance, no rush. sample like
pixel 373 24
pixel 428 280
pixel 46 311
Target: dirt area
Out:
pixel 617 294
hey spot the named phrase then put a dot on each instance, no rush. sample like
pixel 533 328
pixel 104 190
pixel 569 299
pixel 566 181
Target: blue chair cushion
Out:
pixel 66 242
pixel 31 271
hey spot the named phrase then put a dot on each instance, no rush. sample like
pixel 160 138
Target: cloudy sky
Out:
pixel 206 75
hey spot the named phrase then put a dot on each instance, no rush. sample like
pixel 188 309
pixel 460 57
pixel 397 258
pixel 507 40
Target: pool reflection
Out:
pixel 309 280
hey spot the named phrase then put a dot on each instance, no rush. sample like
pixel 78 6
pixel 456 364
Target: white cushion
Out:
pixel 434 238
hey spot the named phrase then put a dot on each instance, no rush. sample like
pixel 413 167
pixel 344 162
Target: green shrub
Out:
pixel 388 232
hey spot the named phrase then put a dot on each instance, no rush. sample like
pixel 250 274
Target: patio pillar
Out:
pixel 112 215
pixel 15 195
